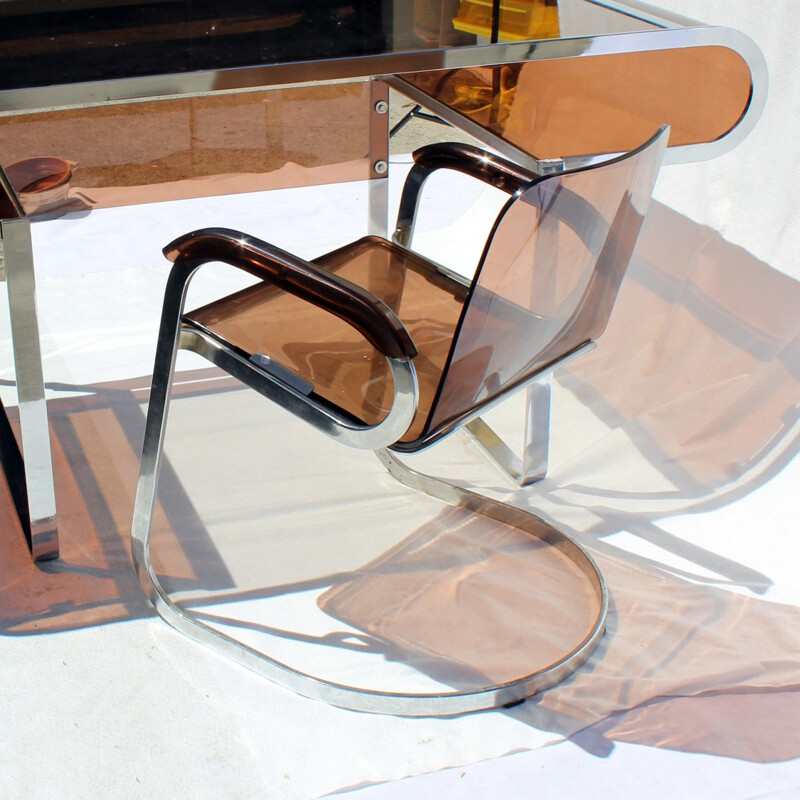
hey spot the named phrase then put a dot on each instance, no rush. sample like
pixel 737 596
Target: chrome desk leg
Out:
pixel 379 159
pixel 35 495
pixel 537 432
pixel 532 467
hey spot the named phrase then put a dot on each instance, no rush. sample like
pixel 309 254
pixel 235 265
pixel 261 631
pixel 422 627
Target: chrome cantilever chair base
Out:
pixel 401 704
pixel 358 699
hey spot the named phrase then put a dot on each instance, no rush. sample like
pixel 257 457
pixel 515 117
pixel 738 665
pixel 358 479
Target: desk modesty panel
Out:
pixel 568 108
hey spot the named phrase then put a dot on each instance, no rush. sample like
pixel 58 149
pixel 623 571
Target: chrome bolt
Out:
pixel 381 107
pixel 380 167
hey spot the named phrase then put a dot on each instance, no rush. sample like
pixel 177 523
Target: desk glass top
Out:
pixel 51 42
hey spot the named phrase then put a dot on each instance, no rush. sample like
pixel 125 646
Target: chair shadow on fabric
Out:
pixel 682 658
pixel 697 386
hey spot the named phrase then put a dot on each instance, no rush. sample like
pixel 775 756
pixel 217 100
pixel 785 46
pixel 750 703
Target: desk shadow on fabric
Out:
pixel 96 437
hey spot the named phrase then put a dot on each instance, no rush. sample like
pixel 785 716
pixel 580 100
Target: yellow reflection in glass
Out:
pixel 519 19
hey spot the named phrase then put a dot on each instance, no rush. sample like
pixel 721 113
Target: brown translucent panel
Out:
pixel 548 280
pixel 323 350
pixel 557 108
pixel 201 146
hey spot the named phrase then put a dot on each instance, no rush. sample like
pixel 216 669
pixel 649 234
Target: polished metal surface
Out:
pixel 532 466
pixel 447 703
pixel 37 509
pixel 378 213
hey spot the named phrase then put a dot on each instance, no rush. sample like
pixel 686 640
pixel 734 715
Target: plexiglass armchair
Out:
pixel 383 349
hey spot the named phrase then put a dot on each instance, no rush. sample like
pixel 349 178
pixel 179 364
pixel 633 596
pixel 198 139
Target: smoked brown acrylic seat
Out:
pixel 382 349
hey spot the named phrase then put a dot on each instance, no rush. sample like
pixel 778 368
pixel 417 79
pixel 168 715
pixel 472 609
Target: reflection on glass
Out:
pixel 519 19
pixel 41 183
pixel 489 105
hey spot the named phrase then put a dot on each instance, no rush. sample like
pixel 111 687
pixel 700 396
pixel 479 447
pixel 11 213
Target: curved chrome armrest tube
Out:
pixel 355 305
pixel 465 158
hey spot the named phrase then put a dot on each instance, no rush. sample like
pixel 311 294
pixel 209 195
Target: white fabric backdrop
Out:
pixel 140 687
pixel 751 195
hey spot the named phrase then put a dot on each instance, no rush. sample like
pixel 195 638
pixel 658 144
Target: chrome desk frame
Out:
pixel 29 472
pixel 668 31
pixel 664 31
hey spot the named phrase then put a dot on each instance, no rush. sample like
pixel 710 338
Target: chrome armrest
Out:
pixel 472 161
pixel 359 308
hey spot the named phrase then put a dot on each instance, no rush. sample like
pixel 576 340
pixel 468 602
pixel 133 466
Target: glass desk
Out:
pixel 179 98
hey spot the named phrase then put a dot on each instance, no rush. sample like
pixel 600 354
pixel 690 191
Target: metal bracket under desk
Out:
pixel 29 470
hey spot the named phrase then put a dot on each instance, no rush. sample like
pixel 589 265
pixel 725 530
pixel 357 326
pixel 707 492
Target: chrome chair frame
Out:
pixel 381 327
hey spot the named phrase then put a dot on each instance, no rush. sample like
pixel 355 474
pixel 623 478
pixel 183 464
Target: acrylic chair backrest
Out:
pixel 547 280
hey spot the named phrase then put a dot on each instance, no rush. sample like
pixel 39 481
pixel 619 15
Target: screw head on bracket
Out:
pixel 381 107
pixel 380 167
